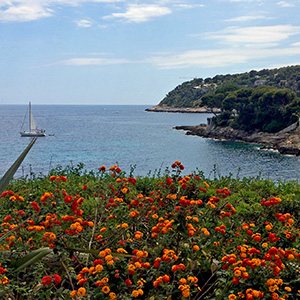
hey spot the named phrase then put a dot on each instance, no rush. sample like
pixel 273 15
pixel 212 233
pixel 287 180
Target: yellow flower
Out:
pixel 288 289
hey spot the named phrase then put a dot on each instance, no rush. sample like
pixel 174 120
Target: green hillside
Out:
pixel 266 100
pixel 191 93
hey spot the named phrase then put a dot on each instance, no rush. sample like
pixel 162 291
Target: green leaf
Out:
pixel 12 170
pixel 31 258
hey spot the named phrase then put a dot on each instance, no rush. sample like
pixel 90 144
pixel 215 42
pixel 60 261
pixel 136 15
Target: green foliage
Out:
pixel 171 220
pixel 264 100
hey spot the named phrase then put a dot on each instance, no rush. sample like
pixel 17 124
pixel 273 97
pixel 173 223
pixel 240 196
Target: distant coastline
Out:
pixel 165 108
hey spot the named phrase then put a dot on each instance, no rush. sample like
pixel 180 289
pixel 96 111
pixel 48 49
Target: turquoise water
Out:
pixel 128 136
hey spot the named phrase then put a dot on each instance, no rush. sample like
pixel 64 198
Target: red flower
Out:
pixel 128 282
pixel 57 279
pixel 35 206
pixel 235 280
pixel 102 168
pixel 46 280
pixel 7 218
pixel 52 178
pixel 169 181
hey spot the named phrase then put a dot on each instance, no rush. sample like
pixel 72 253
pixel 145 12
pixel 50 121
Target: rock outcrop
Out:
pixel 165 108
pixel 286 141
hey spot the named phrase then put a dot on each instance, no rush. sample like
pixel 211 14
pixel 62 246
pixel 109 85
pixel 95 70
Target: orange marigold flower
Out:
pixel 108 257
pixel 81 292
pixel 196 248
pixel 73 294
pixel 112 296
pixel 138 235
pixel 135 293
pixel 105 289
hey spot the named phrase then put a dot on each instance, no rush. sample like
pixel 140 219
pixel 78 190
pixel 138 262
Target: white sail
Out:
pixel 32 123
pixel 33 131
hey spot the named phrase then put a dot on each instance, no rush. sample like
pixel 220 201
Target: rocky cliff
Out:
pixel 165 108
pixel 286 141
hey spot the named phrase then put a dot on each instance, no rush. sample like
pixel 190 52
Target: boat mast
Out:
pixel 29 116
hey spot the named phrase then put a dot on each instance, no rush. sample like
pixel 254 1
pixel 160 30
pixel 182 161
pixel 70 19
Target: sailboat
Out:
pixel 33 131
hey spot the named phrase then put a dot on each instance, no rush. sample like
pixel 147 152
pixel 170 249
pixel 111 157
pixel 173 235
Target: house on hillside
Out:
pixel 260 82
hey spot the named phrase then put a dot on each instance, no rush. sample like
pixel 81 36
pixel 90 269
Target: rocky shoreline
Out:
pixel 165 108
pixel 286 141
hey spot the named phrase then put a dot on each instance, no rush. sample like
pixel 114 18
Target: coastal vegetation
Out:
pixel 75 234
pixel 266 100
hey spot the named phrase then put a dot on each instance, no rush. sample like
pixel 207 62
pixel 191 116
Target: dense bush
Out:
pixel 106 235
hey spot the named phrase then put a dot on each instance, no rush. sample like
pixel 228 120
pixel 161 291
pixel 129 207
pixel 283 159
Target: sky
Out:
pixel 136 51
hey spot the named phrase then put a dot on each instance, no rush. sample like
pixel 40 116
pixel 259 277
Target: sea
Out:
pixel 139 142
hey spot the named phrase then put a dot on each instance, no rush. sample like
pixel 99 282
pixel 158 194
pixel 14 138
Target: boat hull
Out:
pixel 32 134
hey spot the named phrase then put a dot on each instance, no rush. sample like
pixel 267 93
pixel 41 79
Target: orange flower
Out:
pixel 135 293
pixel 81 292
pixel 112 296
pixel 73 294
pixel 196 248
pixel 138 235
pixel 106 289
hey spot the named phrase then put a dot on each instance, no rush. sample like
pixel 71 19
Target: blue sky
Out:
pixel 136 51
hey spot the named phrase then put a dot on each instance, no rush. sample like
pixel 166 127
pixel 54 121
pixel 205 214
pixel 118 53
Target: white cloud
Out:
pixel 245 0
pixel 285 4
pixel 29 10
pixel 84 23
pixel 246 18
pixel 138 13
pixel 219 58
pixel 255 35
pixel 200 58
pixel 93 61
pixel 188 6
pixel 24 12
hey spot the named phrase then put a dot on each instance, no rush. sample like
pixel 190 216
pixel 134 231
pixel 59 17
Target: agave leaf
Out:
pixel 12 170
pixel 31 258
